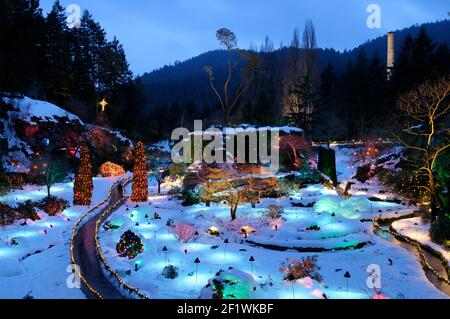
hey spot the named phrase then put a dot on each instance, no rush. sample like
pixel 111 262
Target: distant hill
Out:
pixel 186 82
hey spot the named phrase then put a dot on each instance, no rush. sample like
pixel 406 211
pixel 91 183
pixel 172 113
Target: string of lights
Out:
pixel 102 258
pixel 74 233
pixel 427 265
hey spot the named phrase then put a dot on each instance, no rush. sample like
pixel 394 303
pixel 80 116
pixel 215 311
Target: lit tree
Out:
pixel 424 111
pixel 47 171
pixel 83 186
pixel 226 184
pixel 140 184
pixel 293 146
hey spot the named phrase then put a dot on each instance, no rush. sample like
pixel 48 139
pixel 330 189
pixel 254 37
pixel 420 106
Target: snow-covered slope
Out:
pixel 28 109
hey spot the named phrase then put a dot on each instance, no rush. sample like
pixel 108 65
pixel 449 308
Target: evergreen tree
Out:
pixel 140 184
pixel 58 73
pixel 83 186
pixel 21 46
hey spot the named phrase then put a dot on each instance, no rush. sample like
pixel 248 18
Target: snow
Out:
pixel 26 109
pixel 419 230
pixel 29 108
pixel 38 265
pixel 339 234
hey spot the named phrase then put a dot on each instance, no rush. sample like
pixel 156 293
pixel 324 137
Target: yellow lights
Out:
pixel 101 257
pixel 413 243
pixel 103 104
pixel 139 191
pixel 83 186
pixel 247 230
pixel 214 231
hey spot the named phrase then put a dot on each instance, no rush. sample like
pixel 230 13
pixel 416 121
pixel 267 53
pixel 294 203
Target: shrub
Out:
pixel 4 184
pixel 189 198
pixel 440 230
pixel 274 211
pixel 183 232
pixel 294 269
pixel 53 205
pixel 27 211
pixel 170 272
pixel 130 245
pixel 177 170
pixel 7 214
pixel 363 173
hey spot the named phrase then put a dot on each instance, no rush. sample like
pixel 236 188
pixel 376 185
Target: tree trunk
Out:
pixel 233 210
pixel 48 191
pixel 208 203
pixel 159 188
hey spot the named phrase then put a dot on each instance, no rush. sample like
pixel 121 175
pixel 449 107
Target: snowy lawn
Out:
pixel 38 264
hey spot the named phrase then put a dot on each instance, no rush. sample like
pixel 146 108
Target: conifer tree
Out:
pixel 83 187
pixel 140 185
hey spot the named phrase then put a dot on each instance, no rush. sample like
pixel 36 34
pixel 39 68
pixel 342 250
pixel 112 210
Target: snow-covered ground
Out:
pixel 401 273
pixel 416 229
pixel 38 264
pixel 332 223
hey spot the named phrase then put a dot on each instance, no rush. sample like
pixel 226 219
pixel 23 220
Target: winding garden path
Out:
pixel 85 254
pixel 434 267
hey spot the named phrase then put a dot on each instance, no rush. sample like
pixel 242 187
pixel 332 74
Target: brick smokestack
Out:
pixel 390 54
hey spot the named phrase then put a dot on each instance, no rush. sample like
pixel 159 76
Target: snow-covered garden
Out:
pixel 197 251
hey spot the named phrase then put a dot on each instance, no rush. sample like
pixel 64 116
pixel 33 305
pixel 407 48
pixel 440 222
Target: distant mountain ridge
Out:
pixel 186 82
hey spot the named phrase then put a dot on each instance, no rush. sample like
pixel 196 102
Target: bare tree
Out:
pixel 423 111
pixel 228 40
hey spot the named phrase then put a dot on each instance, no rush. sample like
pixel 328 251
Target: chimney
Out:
pixel 390 54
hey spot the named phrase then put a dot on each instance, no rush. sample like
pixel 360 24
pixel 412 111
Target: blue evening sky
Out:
pixel 159 32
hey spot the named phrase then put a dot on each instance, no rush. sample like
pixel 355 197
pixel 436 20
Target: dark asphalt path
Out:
pixel 85 254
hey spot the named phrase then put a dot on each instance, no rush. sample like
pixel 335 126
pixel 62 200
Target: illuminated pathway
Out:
pixel 85 254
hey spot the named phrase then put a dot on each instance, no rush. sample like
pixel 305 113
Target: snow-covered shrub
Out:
pixel 183 232
pixel 53 205
pixel 130 245
pixel 230 284
pixel 170 272
pixel 295 269
pixel 357 204
pixel 328 204
pixel 274 211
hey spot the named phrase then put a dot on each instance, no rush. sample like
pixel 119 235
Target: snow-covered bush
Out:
pixel 357 204
pixel 295 269
pixel 274 211
pixel 170 272
pixel 230 284
pixel 328 204
pixel 183 232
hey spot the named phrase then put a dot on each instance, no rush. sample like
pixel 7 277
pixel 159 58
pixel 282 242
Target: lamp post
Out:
pixel 196 261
